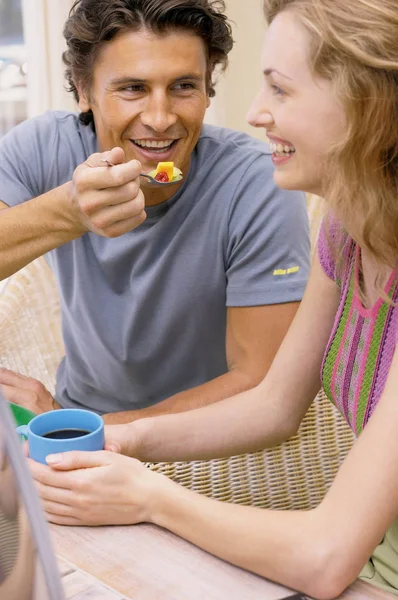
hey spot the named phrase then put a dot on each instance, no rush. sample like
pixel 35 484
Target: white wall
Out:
pixel 243 78
pixel 43 24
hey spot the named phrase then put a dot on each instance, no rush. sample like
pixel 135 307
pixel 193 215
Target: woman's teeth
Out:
pixel 281 149
pixel 153 145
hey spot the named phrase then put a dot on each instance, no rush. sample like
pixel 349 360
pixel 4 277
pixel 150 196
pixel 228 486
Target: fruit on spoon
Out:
pixel 166 172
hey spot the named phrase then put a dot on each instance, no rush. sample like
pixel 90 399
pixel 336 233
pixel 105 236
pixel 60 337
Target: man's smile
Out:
pixel 159 144
pixel 154 150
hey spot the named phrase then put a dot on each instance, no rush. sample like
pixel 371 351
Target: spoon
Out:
pixel 151 179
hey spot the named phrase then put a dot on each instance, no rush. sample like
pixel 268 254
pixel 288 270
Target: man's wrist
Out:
pixel 139 434
pixel 68 215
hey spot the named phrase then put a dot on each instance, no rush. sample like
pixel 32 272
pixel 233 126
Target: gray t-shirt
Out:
pixel 144 315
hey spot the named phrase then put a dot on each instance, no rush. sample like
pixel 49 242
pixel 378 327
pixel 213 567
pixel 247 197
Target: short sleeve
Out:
pixel 268 253
pixel 21 164
pixel 325 253
pixel 334 248
pixel 41 154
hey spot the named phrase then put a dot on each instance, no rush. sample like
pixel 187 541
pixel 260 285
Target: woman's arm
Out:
pixel 319 552
pixel 261 417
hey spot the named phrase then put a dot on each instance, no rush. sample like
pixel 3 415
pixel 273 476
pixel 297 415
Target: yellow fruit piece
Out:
pixel 166 167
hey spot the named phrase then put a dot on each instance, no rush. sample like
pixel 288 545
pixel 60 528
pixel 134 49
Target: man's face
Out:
pixel 149 96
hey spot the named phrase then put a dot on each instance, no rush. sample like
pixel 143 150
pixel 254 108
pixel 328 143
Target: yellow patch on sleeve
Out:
pixel 287 271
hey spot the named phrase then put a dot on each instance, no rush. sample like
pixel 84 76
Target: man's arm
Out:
pixel 254 335
pixel 105 201
pixel 33 228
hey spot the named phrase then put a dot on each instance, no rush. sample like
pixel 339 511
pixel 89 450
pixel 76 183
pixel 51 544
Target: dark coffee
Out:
pixel 65 434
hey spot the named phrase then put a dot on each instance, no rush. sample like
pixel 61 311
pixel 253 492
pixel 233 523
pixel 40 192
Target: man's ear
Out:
pixel 84 98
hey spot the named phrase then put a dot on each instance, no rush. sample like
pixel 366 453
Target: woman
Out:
pixel 329 108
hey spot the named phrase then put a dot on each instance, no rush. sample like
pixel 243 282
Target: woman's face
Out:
pixel 300 113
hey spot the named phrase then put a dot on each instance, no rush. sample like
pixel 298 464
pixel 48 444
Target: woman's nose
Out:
pixel 259 114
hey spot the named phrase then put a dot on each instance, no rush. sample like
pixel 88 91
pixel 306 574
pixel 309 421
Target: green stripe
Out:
pixel 336 343
pixel 370 366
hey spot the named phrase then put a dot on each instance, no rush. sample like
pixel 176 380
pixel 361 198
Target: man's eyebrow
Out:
pixel 190 77
pixel 136 80
pixel 127 80
pixel 270 71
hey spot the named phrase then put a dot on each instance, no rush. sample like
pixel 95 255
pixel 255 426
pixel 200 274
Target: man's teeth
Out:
pixel 281 149
pixel 162 144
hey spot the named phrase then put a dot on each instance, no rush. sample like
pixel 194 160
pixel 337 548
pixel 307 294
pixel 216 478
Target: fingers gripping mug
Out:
pixel 62 431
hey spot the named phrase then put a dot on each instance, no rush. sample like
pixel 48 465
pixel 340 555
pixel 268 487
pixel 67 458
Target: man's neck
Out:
pixel 156 195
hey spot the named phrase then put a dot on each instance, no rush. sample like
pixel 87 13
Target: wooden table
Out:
pixel 148 563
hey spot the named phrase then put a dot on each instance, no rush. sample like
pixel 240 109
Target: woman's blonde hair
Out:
pixel 354 44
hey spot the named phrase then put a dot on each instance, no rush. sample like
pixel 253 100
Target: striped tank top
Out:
pixel 362 343
pixel 356 365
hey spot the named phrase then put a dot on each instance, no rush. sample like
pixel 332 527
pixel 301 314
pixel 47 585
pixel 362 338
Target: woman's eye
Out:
pixel 277 90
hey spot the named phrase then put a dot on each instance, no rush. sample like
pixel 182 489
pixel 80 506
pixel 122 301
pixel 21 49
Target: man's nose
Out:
pixel 158 113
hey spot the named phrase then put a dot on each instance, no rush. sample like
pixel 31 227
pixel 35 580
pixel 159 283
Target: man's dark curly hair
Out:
pixel 93 23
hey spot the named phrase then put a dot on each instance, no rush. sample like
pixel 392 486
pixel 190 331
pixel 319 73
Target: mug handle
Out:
pixel 22 430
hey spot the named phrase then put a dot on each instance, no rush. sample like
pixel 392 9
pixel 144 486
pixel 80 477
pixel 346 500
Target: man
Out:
pixel 171 298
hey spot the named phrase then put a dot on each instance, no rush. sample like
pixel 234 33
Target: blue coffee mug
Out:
pixel 57 422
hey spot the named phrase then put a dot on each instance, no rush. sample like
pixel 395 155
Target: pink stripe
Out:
pixel 361 372
pixel 340 352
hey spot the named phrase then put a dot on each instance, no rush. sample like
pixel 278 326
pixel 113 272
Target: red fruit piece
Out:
pixel 162 176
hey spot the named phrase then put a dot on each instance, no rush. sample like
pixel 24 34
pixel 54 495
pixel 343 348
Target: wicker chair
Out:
pixel 295 475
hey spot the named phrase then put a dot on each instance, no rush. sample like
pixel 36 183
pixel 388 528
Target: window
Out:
pixel 13 66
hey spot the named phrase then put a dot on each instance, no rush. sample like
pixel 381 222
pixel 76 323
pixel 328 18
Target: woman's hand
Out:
pixel 96 488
